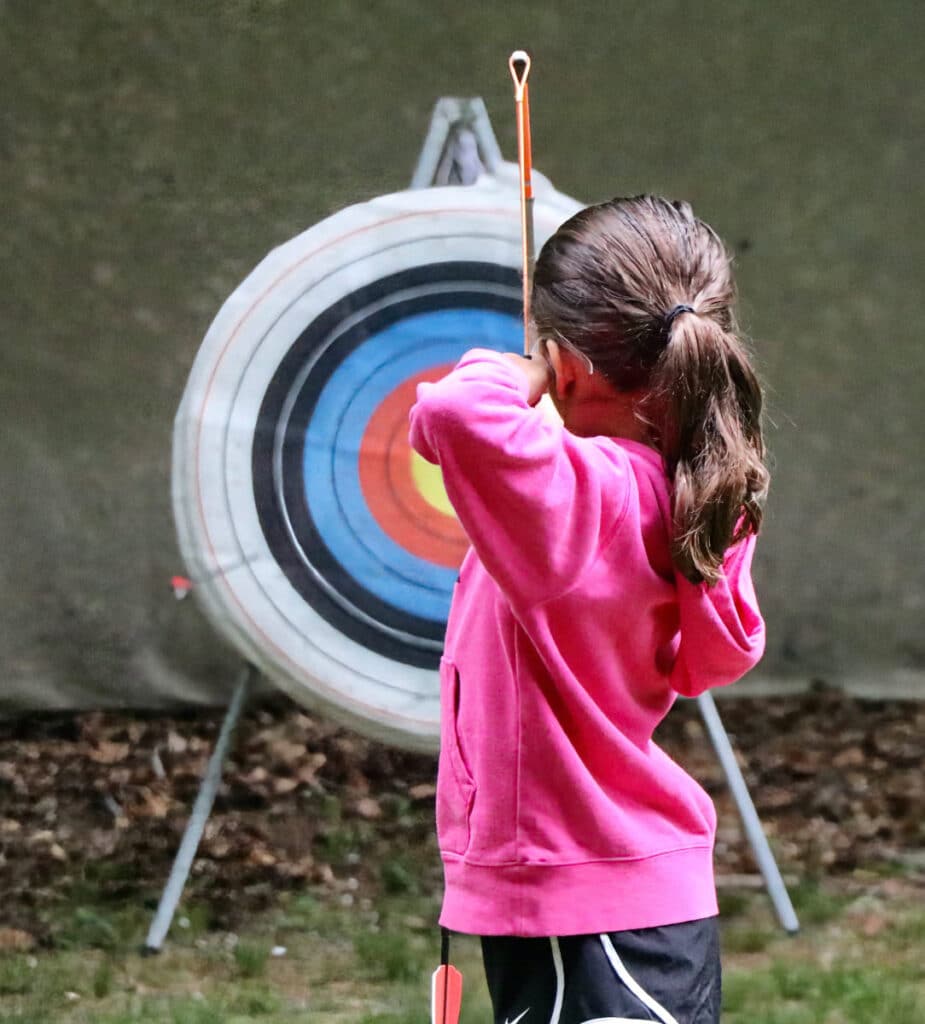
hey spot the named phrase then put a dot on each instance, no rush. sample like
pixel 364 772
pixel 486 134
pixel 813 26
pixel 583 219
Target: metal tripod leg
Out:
pixel 199 815
pixel 750 820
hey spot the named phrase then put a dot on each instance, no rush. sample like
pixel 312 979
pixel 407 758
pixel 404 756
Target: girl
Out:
pixel 609 572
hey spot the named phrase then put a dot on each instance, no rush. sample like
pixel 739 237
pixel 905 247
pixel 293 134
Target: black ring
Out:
pixel 280 503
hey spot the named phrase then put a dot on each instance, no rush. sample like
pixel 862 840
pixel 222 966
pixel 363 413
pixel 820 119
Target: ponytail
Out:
pixel 644 290
pixel 708 415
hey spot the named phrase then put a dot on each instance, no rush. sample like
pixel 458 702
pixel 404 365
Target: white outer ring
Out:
pixel 242 590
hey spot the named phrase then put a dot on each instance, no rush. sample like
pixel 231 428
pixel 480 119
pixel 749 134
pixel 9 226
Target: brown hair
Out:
pixel 609 283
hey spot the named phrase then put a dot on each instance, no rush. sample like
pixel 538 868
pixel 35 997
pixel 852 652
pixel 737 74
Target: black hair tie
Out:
pixel 674 313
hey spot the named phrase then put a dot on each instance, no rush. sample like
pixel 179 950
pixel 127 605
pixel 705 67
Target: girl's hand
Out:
pixel 536 370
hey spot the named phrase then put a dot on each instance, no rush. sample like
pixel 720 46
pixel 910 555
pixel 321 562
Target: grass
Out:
pixel 251 959
pixel 816 904
pixel 804 994
pixel 389 956
pixel 398 877
pixel 857 959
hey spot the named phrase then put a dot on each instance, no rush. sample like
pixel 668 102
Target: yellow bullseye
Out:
pixel 429 482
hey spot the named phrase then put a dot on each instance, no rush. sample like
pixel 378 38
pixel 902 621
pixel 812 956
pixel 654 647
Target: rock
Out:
pixel 13 940
pixel 369 808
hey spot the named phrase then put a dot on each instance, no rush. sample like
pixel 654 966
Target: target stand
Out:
pixel 318 544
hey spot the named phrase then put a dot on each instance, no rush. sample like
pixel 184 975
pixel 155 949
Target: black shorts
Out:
pixel 669 974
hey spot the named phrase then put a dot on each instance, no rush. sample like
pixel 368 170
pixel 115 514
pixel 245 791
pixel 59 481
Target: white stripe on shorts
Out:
pixel 638 991
pixel 560 981
pixel 617 1020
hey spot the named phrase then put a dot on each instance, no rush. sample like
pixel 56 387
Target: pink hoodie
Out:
pixel 570 636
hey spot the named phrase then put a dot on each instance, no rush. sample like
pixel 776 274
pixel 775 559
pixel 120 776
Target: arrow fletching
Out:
pixel 445 995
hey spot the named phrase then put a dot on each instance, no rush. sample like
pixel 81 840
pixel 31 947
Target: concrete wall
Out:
pixel 150 156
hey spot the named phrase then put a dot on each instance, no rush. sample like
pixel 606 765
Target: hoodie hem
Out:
pixel 539 900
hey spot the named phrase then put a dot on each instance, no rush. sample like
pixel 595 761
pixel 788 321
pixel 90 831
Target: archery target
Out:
pixel 319 544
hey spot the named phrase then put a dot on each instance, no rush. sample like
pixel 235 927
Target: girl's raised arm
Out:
pixel 536 502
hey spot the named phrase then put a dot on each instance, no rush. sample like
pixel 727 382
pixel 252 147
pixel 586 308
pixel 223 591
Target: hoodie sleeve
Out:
pixel 535 501
pixel 722 631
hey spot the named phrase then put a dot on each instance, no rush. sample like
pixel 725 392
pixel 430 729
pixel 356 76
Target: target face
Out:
pixel 321 545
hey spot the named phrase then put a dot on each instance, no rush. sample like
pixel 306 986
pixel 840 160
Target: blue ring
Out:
pixel 331 453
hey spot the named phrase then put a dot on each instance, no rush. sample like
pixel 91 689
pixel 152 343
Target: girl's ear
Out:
pixel 562 368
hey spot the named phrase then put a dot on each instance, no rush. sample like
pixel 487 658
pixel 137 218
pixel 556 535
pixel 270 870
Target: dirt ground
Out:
pixel 99 801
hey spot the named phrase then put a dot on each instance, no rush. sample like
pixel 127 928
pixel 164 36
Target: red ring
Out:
pixel 388 485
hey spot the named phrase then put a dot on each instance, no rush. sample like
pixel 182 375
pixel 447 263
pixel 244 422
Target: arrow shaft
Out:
pixel 519 64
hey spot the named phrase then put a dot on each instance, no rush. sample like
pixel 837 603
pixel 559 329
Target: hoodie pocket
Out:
pixel 455 785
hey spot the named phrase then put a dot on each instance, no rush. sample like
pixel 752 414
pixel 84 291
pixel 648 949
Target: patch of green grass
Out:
pixel 330 808
pixel 84 921
pixel 103 978
pixel 396 806
pixel 387 956
pixel 88 927
pixel 304 916
pixel 255 1001
pixel 404 1017
pixel 863 994
pixel 815 904
pixel 803 993
pixel 28 1016
pixel 747 938
pixel 397 877
pixel 16 976
pixel 733 902
pixel 336 842
pixel 197 1011
pixel 303 911
pixel 43 978
pixel 742 989
pixel 910 930
pixel 191 922
pixel 251 958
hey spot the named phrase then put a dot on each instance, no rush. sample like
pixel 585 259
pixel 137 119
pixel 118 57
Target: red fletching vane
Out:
pixel 181 586
pixel 445 995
